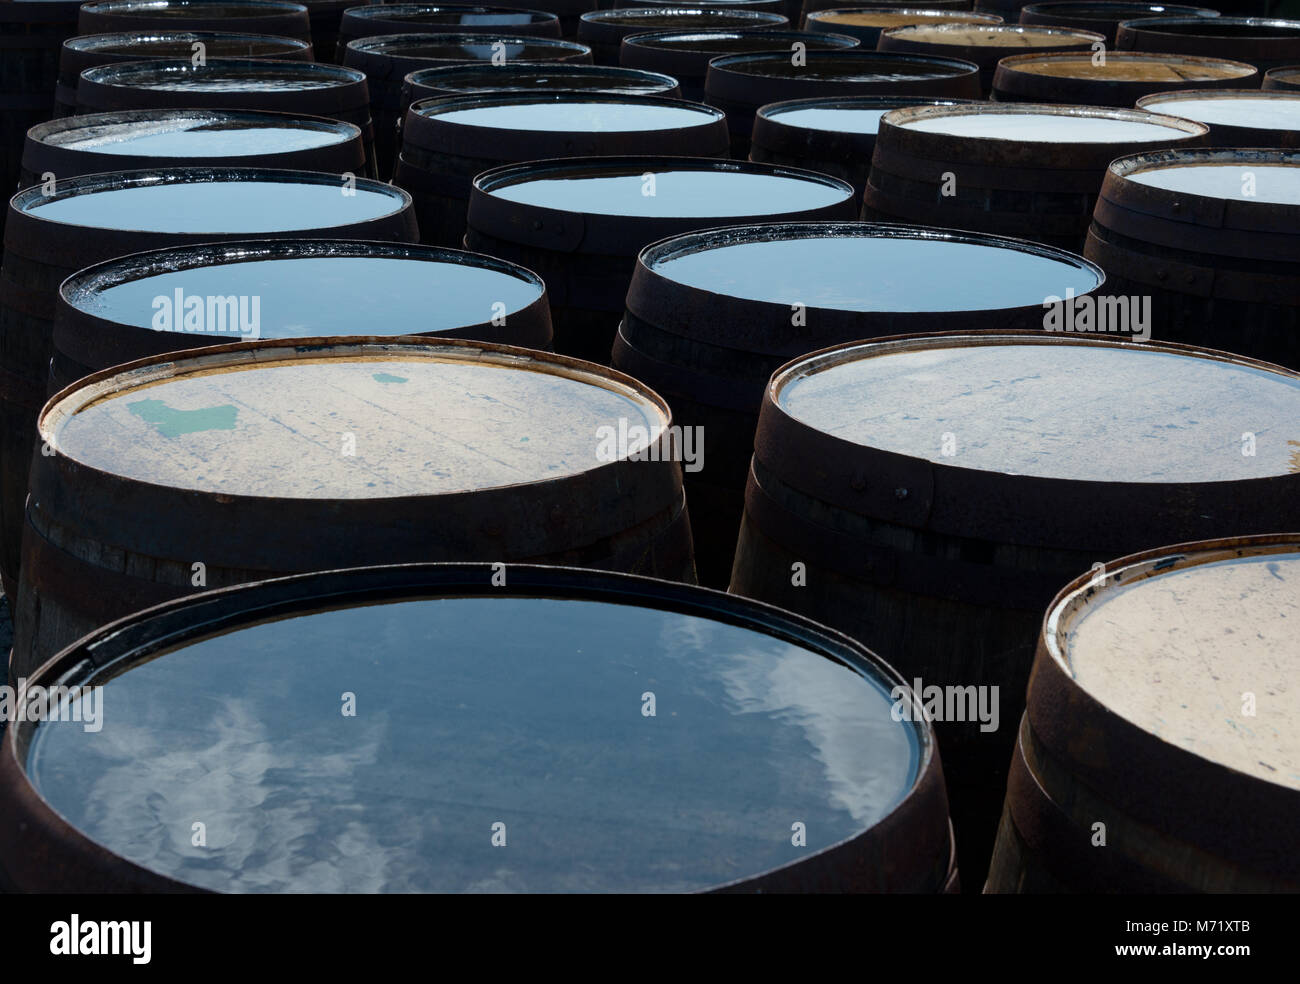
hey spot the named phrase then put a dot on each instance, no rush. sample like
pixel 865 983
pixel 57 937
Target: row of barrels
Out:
pixel 945 571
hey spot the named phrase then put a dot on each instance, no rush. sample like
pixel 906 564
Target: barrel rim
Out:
pixel 645 39
pixel 160 629
pixel 1011 64
pixel 904 115
pixel 831 14
pixel 114 117
pixel 1119 173
pixel 379 44
pixel 396 11
pixel 685 9
pixel 1107 5
pixel 902 31
pixel 1152 25
pixel 130 74
pixel 772 112
pixel 257 7
pixel 99 42
pixel 728 63
pixel 434 107
pixel 1207 95
pixel 421 75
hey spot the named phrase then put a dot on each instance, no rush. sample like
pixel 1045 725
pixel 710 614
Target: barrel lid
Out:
pixel 1267 181
pixel 1159 414
pixel 665 18
pixel 201 200
pixel 680 187
pixel 843 66
pixel 1128 66
pixel 1286 77
pixel 187 8
pixel 1174 641
pixel 222 75
pixel 128 42
pixel 1045 123
pixel 1265 110
pixel 447 13
pixel 1007 36
pixel 819 265
pixel 566 112
pixel 452 746
pixel 542 76
pixel 714 4
pixel 1116 10
pixel 868 16
pixel 847 114
pixel 727 42
pixel 308 288
pixel 198 133
pixel 464 47
pixel 428 417
pixel 1215 27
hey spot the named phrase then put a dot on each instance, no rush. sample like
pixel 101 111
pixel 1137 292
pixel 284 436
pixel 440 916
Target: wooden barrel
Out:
pixel 81 53
pixel 447 142
pixel 108 314
pixel 581 224
pixel 157 138
pixel 425 450
pixel 740 84
pixel 232 83
pixel 1213 237
pixel 810 6
pixel 1120 79
pixel 387 60
pixel 1263 42
pixel 833 136
pixel 711 315
pixel 1178 665
pixel 1285 78
pixel 275 17
pixel 604 30
pixel 1236 117
pixel 30 35
pixel 92 218
pixel 986 45
pixel 686 55
pixel 771 6
pixel 569 11
pixel 929 496
pixel 1012 169
pixel 745 702
pixel 1103 16
pixel 456 80
pixel 412 18
pixel 866 23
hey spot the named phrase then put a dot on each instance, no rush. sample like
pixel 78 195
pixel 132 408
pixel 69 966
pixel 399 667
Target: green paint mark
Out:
pixel 173 423
pixel 383 377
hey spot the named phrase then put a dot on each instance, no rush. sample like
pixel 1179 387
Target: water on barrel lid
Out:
pixel 878 69
pixel 683 192
pixel 1243 180
pixel 218 206
pixel 1261 111
pixel 1076 412
pixel 832 119
pixel 1044 127
pixel 479 710
pixel 199 136
pixel 894 18
pixel 558 76
pixel 1174 653
pixel 828 272
pixel 423 426
pixel 577 115
pixel 241 77
pixel 300 297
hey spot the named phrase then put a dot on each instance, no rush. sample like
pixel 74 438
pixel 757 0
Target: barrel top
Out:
pixel 212 133
pixel 820 265
pixel 123 42
pixel 543 76
pixel 206 200
pixel 447 13
pixel 223 75
pixel 1129 66
pixel 1260 178
pixel 1117 9
pixel 1033 123
pixel 727 42
pixel 670 17
pixel 994 35
pixel 1271 110
pixel 682 187
pixel 568 112
pixel 1053 407
pixel 192 8
pixel 425 420
pixel 1217 27
pixel 1174 645
pixel 451 736
pixel 312 287
pixel 898 16
pixel 479 47
pixel 853 65
pixel 848 114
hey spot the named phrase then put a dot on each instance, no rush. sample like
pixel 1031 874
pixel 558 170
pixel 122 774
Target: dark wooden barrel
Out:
pixel 711 315
pixel 1103 16
pixel 1236 117
pixel 275 17
pixel 929 496
pixel 1177 663
pixel 1263 42
pixel 809 6
pixel 108 314
pixel 604 30
pixel 986 45
pixel 620 658
pixel 1120 80
pixel 30 35
pixel 1013 169
pixel 448 141
pixel 1284 78
pixel 740 84
pixel 387 60
pixel 426 449
pixel 866 23
pixel 156 138
pixel 833 136
pixel 81 53
pixel 686 55
pixel 581 224
pixel 412 18
pixel 232 83
pixel 1222 267
pixel 92 218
